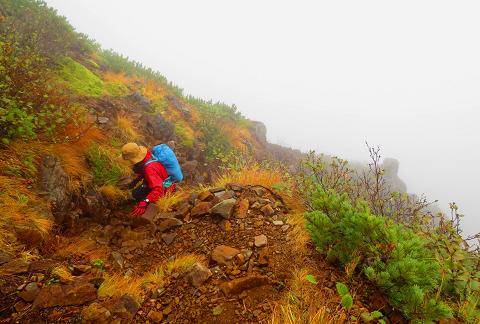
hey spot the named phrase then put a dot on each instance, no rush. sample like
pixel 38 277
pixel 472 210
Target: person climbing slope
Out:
pixel 148 167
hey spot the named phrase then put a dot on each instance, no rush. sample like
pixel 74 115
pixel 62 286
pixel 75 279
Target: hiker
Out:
pixel 156 179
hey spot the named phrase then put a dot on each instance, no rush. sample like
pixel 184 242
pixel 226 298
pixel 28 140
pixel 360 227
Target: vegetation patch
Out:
pixel 105 165
pixel 80 80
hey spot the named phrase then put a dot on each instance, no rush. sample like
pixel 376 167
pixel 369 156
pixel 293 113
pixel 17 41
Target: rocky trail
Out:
pixel 224 255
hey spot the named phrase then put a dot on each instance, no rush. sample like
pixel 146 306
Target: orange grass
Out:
pixel 166 202
pixel 119 285
pixel 83 247
pixel 20 207
pixel 251 173
pixel 113 194
pixel 125 130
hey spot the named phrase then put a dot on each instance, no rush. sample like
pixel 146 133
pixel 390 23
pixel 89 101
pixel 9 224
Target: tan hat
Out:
pixel 133 152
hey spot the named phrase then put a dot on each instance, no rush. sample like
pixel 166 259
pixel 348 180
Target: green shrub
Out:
pixel 104 167
pixel 399 261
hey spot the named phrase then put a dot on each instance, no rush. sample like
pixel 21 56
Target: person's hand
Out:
pixel 140 208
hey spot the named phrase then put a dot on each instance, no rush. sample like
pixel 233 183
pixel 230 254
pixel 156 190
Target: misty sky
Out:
pixel 324 75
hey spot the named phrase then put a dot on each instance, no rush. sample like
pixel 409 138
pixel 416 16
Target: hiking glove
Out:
pixel 140 208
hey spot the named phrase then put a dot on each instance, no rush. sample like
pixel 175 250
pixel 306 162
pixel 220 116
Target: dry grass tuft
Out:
pixel 252 173
pixel 113 194
pixel 62 273
pixel 117 285
pixel 20 207
pixel 308 303
pixel 298 235
pixel 125 130
pixel 82 247
pixel 166 202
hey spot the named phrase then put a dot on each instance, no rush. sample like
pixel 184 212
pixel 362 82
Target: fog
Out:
pixel 324 75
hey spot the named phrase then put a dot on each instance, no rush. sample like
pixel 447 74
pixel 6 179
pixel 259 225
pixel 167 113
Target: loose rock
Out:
pixel 200 209
pixel 242 208
pixel 30 292
pixel 267 210
pixel 96 313
pixel 75 293
pixel 239 285
pixel 198 275
pixel 168 237
pixel 224 208
pixel 224 254
pixel 278 223
pixel 260 240
pixel 168 224
pixel 155 317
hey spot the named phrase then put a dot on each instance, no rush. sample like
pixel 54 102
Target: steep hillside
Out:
pixel 244 239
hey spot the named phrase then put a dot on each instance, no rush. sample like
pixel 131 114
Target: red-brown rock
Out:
pixel 200 209
pixel 75 293
pixel 239 285
pixel 242 209
pixel 224 254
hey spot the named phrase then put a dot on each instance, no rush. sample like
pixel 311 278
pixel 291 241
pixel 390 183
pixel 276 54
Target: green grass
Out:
pixel 81 80
pixel 105 168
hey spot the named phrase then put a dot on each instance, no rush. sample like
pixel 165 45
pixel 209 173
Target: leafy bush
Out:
pixel 396 259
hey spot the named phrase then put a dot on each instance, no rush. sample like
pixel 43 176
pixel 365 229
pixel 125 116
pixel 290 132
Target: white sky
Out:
pixel 324 75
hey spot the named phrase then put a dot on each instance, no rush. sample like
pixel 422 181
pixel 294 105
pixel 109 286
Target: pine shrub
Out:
pixel 392 256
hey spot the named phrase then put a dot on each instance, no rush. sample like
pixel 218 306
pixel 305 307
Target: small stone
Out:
pixel 200 209
pixel 20 306
pixel 168 237
pixel 267 210
pixel 226 225
pixel 96 313
pixel 30 292
pixel 102 120
pixel 155 317
pixel 224 254
pixel 224 208
pixel 242 208
pixel 260 240
pixel 277 223
pixel 263 258
pixel 168 224
pixel 217 190
pixel 198 275
pixel 118 259
pixel 206 196
pixel 237 286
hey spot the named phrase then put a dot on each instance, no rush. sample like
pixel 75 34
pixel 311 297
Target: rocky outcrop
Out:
pixel 53 182
pixel 159 128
